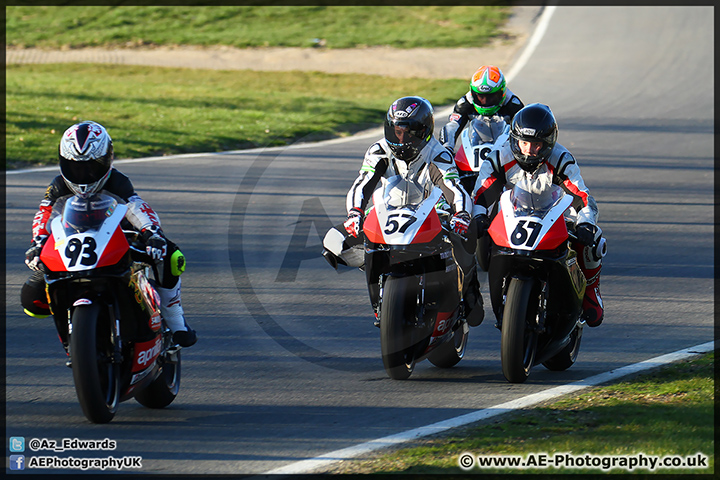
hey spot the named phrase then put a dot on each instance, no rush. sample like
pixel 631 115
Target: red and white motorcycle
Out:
pixel 481 136
pixel 409 261
pixel 106 309
pixel 536 285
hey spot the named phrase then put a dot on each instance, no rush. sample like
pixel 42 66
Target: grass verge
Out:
pixel 254 26
pixel 665 412
pixel 152 111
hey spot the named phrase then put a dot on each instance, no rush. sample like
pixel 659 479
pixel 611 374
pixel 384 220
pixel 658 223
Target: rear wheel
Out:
pixel 163 390
pixel 397 331
pixel 451 352
pixel 566 357
pixel 519 337
pixel 96 376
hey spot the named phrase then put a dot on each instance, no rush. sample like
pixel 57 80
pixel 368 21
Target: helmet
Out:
pixel 487 87
pixel 86 156
pixel 409 125
pixel 533 123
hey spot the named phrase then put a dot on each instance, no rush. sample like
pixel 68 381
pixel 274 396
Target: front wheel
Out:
pixel 397 330
pixel 449 353
pixel 519 337
pixel 96 375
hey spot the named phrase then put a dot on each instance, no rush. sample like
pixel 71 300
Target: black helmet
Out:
pixel 409 125
pixel 86 157
pixel 534 123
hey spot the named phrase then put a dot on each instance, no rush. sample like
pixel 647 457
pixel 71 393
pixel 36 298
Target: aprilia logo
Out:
pixel 147 356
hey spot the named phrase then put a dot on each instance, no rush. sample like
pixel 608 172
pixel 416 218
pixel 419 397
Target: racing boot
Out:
pixel 474 305
pixel 33 297
pixel 172 311
pixel 593 311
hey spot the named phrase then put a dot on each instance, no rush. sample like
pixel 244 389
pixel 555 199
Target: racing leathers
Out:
pixel 501 170
pixel 142 218
pixel 432 167
pixel 464 111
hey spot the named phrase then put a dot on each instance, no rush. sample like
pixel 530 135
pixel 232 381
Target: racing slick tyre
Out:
pixel 519 337
pixel 449 353
pixel 162 391
pixel 96 375
pixel 566 357
pixel 397 330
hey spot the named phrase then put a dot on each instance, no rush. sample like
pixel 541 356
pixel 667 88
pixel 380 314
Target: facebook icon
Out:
pixel 17 462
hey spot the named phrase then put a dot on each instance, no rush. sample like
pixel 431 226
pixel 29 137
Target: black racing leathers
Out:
pixel 464 111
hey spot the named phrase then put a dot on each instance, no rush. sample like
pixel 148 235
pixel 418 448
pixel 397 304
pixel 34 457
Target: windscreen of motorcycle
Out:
pixel 399 192
pixel 487 130
pixel 534 197
pixel 85 214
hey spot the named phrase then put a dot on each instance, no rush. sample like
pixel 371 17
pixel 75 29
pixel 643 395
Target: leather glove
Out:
pixel 460 222
pixel 585 233
pixel 353 224
pixel 450 149
pixel 32 254
pixel 155 243
pixel 482 223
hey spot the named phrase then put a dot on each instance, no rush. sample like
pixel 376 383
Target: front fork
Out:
pixel 541 314
pixel 419 320
pixel 115 338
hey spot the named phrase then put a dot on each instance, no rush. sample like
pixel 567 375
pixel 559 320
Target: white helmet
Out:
pixel 86 156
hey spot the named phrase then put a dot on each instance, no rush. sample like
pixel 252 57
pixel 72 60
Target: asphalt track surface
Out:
pixel 288 363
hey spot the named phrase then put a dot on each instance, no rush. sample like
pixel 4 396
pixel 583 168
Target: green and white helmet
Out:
pixel 487 88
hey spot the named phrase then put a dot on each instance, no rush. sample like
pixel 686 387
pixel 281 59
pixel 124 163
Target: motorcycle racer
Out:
pixel 488 96
pixel 532 152
pixel 86 156
pixel 409 149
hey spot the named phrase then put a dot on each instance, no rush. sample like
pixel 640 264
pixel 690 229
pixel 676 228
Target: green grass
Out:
pixel 160 111
pixel 254 26
pixel 666 412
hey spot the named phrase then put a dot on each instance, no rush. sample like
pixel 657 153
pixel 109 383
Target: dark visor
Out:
pixel 82 173
pixel 487 99
pixel 401 132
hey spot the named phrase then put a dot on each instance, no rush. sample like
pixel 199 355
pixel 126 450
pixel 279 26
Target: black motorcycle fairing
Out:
pixel 563 300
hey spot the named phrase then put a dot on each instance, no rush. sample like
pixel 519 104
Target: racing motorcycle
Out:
pixel 408 248
pixel 536 284
pixel 106 309
pixel 477 140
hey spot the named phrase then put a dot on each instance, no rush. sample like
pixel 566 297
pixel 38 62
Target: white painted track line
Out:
pixel 317 464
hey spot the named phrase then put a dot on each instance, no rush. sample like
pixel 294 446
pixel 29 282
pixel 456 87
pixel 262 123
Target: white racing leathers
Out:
pixel 433 166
